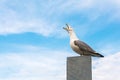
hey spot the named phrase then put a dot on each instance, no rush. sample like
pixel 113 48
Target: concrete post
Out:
pixel 79 68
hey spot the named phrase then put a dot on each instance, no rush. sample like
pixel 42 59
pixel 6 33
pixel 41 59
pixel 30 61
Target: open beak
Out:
pixel 66 28
pixel 67 25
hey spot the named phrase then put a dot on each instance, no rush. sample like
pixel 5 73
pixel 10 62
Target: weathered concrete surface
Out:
pixel 79 68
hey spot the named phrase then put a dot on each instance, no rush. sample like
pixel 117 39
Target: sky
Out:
pixel 34 46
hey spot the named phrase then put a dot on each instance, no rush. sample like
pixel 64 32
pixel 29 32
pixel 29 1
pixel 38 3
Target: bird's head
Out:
pixel 68 28
pixel 71 32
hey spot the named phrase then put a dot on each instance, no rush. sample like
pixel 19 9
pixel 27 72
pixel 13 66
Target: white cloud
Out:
pixel 26 66
pixel 33 63
pixel 19 17
pixel 107 68
pixel 12 25
pixel 13 20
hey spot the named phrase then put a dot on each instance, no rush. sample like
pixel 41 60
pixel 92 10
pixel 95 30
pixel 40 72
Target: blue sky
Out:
pixel 33 45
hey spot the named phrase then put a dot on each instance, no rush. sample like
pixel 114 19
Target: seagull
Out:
pixel 78 46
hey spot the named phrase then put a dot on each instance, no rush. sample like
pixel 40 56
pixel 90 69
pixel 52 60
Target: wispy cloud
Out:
pixel 42 19
pixel 16 22
pixel 107 68
pixel 14 26
pixel 36 63
pixel 33 63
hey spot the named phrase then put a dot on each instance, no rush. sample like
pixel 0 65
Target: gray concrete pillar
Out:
pixel 79 68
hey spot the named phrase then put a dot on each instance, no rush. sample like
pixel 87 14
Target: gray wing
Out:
pixel 86 48
pixel 83 46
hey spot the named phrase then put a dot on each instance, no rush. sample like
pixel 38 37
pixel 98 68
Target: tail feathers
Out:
pixel 97 55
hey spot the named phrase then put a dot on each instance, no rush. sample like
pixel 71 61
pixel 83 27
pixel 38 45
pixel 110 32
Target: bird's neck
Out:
pixel 73 36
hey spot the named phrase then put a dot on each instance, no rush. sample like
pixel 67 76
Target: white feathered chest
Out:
pixel 74 47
